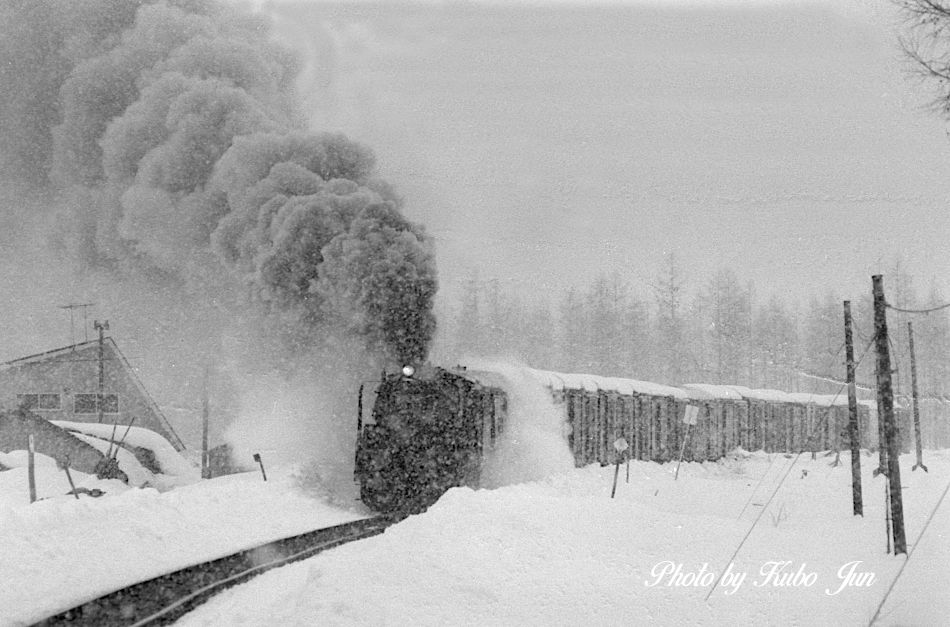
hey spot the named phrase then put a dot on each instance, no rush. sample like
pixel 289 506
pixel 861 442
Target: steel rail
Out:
pixel 166 598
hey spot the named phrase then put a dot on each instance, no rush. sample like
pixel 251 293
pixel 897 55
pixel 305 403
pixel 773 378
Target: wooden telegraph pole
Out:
pixel 853 431
pixel 101 328
pixel 886 392
pixel 913 385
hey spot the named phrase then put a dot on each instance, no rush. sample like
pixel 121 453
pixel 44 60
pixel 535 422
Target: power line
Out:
pixel 909 555
pixel 917 311
pixel 781 482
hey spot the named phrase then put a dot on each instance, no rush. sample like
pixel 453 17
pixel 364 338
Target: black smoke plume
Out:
pixel 169 134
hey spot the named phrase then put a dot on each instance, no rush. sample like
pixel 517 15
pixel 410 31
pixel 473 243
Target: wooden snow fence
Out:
pixel 723 416
pixel 650 417
pixel 602 409
pixel 769 417
pixel 934 423
pixel 826 423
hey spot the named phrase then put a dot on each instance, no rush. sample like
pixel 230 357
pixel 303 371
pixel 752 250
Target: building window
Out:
pixel 39 401
pixel 110 403
pixel 86 404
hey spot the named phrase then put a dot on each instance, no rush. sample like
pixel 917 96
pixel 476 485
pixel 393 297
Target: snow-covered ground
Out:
pixel 60 552
pixel 561 552
pixel 558 551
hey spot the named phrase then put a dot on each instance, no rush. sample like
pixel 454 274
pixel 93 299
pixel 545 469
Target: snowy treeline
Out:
pixel 724 331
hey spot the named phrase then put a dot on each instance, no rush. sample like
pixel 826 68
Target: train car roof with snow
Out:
pixel 485 378
pixel 707 391
pixel 559 381
pixel 821 400
pixel 772 396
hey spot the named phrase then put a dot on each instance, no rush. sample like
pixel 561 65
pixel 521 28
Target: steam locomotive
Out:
pixel 430 430
pixel 428 433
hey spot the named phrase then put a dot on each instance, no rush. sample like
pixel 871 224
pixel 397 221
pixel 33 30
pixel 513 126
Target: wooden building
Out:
pixel 64 384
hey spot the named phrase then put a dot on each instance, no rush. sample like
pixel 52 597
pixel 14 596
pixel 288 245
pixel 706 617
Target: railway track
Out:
pixel 168 597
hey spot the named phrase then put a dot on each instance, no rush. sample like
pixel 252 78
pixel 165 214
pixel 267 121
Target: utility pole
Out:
pixel 913 387
pixel 881 442
pixel 853 431
pixel 101 328
pixel 887 415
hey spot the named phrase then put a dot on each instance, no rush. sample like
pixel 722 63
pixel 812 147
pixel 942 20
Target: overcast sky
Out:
pixel 542 145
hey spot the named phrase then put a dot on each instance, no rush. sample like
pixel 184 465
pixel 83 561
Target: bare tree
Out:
pixel 729 328
pixel 926 44
pixel 668 292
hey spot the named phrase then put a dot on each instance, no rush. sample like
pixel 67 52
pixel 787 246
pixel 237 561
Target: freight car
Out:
pixel 430 430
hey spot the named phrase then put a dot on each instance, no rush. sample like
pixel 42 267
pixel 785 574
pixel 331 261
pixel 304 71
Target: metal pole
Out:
pixel 682 451
pixel 853 431
pixel 616 472
pixel 31 467
pixel 101 328
pixel 205 418
pixel 887 401
pixel 257 458
pixel 913 387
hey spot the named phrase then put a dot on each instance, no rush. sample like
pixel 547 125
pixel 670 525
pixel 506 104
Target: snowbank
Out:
pixel 61 552
pixel 533 442
pixel 561 552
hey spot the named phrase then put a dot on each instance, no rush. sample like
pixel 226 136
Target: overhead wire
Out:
pixel 909 555
pixel 917 311
pixel 781 482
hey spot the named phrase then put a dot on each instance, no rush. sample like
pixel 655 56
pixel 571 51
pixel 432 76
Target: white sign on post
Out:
pixel 620 445
pixel 692 413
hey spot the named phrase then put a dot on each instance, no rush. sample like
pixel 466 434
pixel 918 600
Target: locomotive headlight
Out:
pixel 408 371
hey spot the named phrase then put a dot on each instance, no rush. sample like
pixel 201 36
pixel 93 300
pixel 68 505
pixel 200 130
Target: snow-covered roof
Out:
pixel 592 383
pixel 772 396
pixel 56 352
pixel 168 458
pixel 822 400
pixel 484 377
pixel 706 391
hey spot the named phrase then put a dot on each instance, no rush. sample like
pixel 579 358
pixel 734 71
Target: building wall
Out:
pixel 48 439
pixel 70 373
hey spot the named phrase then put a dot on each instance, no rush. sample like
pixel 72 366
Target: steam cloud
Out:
pixel 168 129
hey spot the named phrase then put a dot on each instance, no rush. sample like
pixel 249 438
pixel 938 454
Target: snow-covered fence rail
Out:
pixel 165 599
